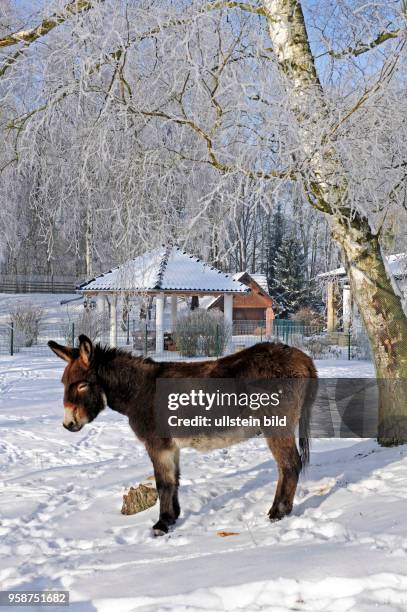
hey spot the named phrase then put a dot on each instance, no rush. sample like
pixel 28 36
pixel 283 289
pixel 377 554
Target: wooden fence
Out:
pixel 19 283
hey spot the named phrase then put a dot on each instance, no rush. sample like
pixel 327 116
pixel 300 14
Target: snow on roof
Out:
pixel 260 279
pixel 397 264
pixel 165 269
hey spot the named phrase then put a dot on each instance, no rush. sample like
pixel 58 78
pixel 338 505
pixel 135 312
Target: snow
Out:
pixel 344 548
pixel 50 303
pixel 260 279
pixel 397 265
pixel 166 269
pixel 340 368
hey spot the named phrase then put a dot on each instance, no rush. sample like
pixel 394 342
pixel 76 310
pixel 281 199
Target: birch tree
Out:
pixel 327 184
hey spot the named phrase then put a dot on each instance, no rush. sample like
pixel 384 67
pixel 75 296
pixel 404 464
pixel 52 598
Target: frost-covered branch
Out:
pixel 365 47
pixel 30 35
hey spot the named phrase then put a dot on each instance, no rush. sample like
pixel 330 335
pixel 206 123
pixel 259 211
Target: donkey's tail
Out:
pixel 306 413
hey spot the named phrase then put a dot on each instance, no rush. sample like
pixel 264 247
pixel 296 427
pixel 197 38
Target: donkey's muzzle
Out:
pixel 72 426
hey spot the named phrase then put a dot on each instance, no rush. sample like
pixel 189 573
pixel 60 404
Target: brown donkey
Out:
pixel 96 377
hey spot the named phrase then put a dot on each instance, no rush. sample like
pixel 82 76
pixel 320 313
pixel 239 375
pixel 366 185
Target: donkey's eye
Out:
pixel 82 386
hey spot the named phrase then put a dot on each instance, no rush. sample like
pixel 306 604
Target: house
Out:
pixel 340 307
pixel 250 310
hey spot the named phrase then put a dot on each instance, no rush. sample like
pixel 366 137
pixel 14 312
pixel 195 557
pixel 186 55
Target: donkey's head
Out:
pixel 83 395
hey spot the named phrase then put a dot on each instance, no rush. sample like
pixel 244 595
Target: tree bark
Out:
pixel 88 240
pixel 377 298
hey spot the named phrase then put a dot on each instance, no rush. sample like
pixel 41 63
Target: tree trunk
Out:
pixel 88 240
pixel 386 324
pixel 378 301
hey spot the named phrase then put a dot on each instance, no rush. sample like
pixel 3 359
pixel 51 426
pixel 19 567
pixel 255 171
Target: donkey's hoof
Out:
pixel 158 532
pixel 160 528
pixel 275 516
pixel 276 513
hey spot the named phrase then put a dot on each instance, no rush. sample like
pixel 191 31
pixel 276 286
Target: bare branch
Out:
pixel 243 6
pixel 32 34
pixel 384 77
pixel 365 47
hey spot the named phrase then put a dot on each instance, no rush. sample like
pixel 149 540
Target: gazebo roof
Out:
pixel 166 269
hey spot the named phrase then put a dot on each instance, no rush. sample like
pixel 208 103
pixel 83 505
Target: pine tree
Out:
pixel 274 244
pixel 290 279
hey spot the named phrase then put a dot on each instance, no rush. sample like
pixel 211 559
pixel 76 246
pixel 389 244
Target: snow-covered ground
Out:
pixel 343 548
pixel 49 303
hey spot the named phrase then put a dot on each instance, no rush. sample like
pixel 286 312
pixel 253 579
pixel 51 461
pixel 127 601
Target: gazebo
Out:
pixel 165 271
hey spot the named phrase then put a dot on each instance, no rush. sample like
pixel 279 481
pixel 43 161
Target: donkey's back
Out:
pixel 262 360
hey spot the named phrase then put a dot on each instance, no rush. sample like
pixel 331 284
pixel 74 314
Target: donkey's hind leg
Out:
pixel 166 470
pixel 285 453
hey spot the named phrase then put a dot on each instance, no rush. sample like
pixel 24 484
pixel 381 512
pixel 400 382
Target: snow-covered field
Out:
pixel 343 548
pixel 50 303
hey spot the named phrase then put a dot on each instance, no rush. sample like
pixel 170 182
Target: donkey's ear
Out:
pixel 67 353
pixel 85 349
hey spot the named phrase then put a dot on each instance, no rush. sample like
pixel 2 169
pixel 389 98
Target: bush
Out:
pixel 90 323
pixel 201 333
pixel 93 324
pixel 308 317
pixel 26 319
pixel 315 346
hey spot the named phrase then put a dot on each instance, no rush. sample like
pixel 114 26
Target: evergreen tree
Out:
pixel 274 242
pixel 290 278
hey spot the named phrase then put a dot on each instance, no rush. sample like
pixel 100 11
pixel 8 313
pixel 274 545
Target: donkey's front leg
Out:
pixel 165 457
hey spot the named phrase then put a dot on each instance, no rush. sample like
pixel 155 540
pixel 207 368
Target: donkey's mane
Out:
pixel 104 355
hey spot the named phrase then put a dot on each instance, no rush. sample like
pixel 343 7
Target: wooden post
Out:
pixel 330 307
pixel 269 321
